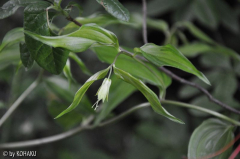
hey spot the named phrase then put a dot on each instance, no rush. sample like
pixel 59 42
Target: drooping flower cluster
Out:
pixel 103 91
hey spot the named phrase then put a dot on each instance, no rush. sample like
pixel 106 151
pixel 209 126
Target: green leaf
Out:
pixel 158 7
pixel 137 20
pixel 69 120
pixel 25 56
pixel 79 94
pixel 156 77
pixel 196 48
pixel 9 55
pixel 148 93
pixel 169 56
pixel 99 19
pixel 51 59
pixel 89 35
pixel 205 13
pixel 106 19
pixel 197 32
pixel 80 63
pixel 225 14
pixel 12 6
pixel 115 8
pixel 211 136
pixel 58 87
pixel 67 72
pixel 226 51
pixel 119 91
pixel 12 37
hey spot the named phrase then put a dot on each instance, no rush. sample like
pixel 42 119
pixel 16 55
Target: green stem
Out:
pixel 216 114
pixel 86 126
pixel 20 99
pixel 123 115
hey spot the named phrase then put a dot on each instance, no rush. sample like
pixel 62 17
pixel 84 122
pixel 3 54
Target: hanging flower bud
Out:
pixel 103 91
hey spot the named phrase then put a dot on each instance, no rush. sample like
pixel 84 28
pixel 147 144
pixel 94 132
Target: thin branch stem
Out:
pixel 144 10
pixel 20 99
pixel 123 115
pixel 203 90
pixel 181 80
pixel 86 126
pixel 210 97
pixel 216 114
pixel 69 133
pixel 73 20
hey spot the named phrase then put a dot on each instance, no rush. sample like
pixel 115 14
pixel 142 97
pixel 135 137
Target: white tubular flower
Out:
pixel 103 91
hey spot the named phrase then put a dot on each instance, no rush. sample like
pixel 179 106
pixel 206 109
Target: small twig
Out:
pixel 86 126
pixel 20 99
pixel 210 97
pixel 73 20
pixel 191 106
pixel 179 79
pixel 69 133
pixel 144 9
pixel 126 113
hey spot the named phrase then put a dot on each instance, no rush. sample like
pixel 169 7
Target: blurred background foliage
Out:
pixel 144 134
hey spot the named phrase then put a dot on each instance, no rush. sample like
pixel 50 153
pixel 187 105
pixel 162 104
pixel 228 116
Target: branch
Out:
pixel 210 97
pixel 20 99
pixel 73 20
pixel 69 133
pixel 85 126
pixel 179 79
pixel 169 73
pixel 144 9
pixel 216 114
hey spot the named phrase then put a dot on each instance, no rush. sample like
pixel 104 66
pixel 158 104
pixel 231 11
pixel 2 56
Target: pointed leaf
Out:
pixel 148 93
pixel 196 48
pixel 169 56
pixel 156 77
pixel 211 136
pixel 9 55
pixel 197 32
pixel 115 8
pixel 25 56
pixel 67 72
pixel 11 7
pixel 89 35
pixel 51 59
pixel 79 94
pixel 12 37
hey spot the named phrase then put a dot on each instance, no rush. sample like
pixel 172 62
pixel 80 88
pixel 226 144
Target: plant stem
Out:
pixel 86 125
pixel 123 115
pixel 21 98
pixel 181 80
pixel 216 114
pixel 203 90
pixel 71 132
pixel 144 10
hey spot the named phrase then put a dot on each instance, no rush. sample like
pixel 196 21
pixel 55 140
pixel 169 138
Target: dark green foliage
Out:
pixel 25 56
pixel 35 20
